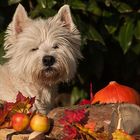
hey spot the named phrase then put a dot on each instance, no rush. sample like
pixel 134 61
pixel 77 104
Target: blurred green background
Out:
pixel 110 32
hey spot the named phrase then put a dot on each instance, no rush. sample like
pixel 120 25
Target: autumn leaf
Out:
pixel 70 132
pixel 72 116
pixel 90 134
pixel 85 102
pixel 23 105
pixel 23 102
pixel 8 106
pixel 20 97
pixel 4 112
pixel 74 128
pixel 90 125
pixel 121 135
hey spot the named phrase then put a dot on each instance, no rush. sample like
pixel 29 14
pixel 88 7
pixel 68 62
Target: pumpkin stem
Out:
pixel 112 82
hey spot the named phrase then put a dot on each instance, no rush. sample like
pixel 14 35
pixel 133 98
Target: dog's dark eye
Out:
pixel 55 47
pixel 34 49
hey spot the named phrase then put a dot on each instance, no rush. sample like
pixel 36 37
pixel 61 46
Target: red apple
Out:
pixel 20 121
pixel 40 122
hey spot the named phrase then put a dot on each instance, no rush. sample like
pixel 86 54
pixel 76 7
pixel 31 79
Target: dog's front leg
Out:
pixel 43 107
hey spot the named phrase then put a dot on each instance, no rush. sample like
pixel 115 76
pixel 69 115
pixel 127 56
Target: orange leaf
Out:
pixel 91 134
pixel 90 125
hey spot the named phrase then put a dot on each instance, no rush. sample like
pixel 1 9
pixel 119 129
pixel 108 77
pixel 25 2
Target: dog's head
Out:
pixel 43 50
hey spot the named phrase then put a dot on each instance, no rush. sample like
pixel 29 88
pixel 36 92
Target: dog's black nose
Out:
pixel 48 60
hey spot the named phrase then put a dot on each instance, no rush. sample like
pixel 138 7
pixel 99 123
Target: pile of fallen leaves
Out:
pixel 22 105
pixel 76 127
pixel 74 122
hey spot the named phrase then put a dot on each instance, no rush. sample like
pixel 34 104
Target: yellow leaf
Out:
pixel 121 135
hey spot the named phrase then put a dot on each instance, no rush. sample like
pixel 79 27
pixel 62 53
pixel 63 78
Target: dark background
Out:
pixel 110 32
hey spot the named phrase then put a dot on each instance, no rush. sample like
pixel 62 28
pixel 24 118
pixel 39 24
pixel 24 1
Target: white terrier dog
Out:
pixel 41 54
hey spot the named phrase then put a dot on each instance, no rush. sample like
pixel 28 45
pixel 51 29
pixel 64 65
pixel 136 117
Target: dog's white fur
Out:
pixel 27 41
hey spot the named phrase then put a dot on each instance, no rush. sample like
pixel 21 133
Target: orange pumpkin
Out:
pixel 116 93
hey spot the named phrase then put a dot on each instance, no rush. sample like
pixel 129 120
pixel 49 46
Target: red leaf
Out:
pixel 32 100
pixel 72 116
pixel 70 132
pixel 3 115
pixel 8 106
pixel 20 97
pixel 85 102
pixel 4 111
pixel 22 104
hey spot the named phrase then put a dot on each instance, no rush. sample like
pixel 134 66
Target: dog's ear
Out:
pixel 19 20
pixel 64 14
